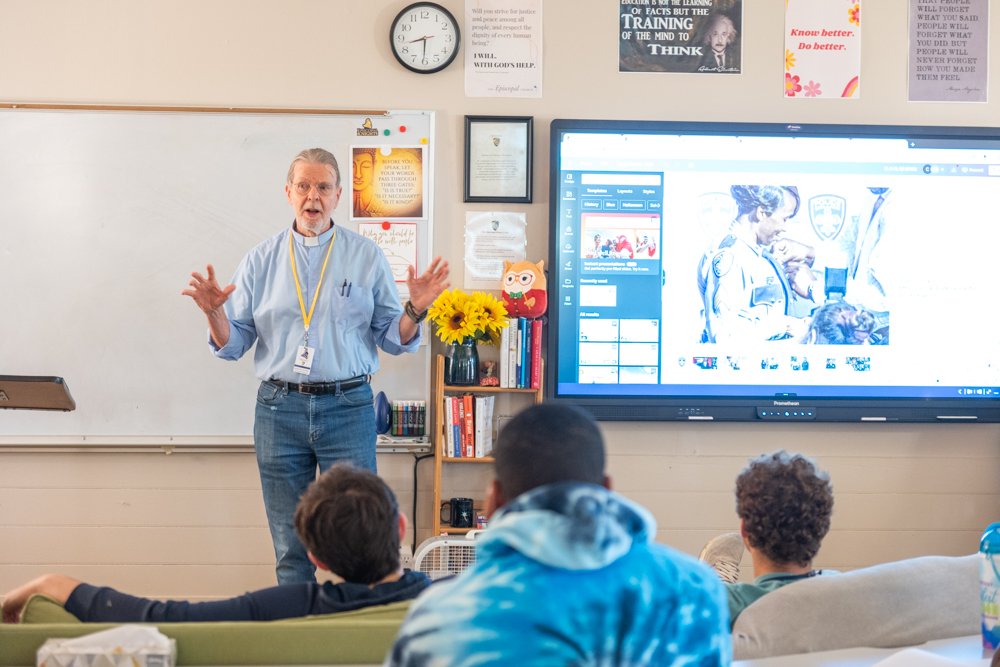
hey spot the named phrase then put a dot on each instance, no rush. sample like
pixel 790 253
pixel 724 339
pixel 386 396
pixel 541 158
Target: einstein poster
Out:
pixel 695 36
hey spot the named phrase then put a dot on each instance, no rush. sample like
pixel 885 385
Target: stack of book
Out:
pixel 468 426
pixel 521 353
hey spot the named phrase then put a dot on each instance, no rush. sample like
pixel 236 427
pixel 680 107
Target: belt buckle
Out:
pixel 354 382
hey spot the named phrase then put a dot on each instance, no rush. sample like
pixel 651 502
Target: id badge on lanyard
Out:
pixel 305 354
pixel 304 360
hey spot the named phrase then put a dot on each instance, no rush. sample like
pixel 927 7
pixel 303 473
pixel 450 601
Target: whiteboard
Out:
pixel 104 215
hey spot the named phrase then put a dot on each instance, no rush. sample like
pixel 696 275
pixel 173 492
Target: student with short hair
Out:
pixel 348 520
pixel 567 573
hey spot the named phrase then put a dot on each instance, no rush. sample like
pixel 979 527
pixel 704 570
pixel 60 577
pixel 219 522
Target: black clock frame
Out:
pixel 447 13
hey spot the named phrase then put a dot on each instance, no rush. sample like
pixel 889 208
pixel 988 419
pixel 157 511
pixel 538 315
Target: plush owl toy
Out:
pixel 523 286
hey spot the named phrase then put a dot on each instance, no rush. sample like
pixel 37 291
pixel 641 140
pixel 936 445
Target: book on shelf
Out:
pixel 512 353
pixel 526 354
pixel 488 426
pixel 536 354
pixel 456 411
pixel 484 425
pixel 526 361
pixel 504 356
pixel 447 436
pixel 518 360
pixel 469 428
pixel 480 414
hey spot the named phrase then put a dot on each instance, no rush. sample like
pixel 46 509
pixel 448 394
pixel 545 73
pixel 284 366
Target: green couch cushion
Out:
pixel 354 637
pixel 43 609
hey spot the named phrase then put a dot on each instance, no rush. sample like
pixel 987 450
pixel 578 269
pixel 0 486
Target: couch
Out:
pixel 902 603
pixel 361 637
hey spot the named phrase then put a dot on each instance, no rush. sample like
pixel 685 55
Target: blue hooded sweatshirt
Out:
pixel 567 574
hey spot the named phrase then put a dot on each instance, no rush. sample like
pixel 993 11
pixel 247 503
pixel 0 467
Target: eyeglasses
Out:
pixel 324 189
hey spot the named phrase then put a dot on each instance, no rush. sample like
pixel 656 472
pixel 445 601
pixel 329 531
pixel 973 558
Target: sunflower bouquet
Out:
pixel 461 317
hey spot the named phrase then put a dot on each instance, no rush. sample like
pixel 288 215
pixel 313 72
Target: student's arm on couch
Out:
pixel 56 586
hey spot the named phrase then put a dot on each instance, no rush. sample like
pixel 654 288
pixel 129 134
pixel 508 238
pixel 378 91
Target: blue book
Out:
pixel 522 351
pixel 456 426
pixel 526 364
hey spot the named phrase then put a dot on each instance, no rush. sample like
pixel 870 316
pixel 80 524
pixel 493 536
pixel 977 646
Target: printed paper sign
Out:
pixel 949 58
pixel 490 238
pixel 823 48
pixel 398 241
pixel 503 54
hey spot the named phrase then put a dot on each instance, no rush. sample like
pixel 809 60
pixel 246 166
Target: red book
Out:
pixel 459 425
pixel 536 354
pixel 469 428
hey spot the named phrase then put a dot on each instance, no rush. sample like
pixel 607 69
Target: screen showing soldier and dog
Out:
pixel 786 263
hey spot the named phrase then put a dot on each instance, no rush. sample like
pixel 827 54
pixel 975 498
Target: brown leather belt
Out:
pixel 317 388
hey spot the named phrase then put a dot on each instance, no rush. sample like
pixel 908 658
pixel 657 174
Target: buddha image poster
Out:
pixel 387 182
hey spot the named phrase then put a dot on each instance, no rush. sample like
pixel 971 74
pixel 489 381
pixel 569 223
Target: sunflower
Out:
pixel 448 314
pixel 494 316
pixel 459 316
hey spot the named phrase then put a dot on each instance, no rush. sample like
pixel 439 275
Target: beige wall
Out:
pixel 192 524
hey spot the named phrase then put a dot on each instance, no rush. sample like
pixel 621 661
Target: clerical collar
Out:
pixel 309 241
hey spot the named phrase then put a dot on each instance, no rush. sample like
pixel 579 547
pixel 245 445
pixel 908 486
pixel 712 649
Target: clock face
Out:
pixel 424 37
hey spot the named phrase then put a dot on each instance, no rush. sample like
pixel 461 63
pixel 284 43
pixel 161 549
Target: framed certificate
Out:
pixel 498 153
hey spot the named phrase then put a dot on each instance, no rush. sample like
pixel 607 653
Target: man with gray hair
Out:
pixel 318 300
pixel 720 51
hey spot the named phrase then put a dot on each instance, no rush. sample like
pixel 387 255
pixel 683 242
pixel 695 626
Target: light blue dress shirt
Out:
pixel 358 309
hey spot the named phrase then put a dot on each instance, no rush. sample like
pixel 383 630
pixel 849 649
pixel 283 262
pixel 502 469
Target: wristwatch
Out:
pixel 412 313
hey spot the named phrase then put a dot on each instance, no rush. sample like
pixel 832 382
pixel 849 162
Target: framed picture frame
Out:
pixel 498 156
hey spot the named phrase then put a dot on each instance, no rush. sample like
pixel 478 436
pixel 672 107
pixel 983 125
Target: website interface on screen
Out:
pixel 708 265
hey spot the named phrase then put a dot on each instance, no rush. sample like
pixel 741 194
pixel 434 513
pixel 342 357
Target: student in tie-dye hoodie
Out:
pixel 567 573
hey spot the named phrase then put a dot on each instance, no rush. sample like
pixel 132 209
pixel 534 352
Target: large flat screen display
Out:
pixel 708 271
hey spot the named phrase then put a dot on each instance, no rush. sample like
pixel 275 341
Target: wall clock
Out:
pixel 424 37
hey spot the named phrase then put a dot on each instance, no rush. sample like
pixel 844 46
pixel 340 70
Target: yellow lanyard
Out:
pixel 307 317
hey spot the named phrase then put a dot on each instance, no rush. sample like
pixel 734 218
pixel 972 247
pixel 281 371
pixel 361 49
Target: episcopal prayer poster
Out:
pixel 949 58
pixel 822 48
pixel 503 51
pixel 695 36
pixel 387 182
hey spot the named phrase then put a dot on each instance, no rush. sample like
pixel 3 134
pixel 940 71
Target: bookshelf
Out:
pixel 438 434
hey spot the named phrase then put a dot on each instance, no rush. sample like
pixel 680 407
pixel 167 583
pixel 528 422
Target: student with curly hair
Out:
pixel 784 502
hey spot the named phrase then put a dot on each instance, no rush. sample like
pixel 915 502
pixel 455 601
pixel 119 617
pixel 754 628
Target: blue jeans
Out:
pixel 293 434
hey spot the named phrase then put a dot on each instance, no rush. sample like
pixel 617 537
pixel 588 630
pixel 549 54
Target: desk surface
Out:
pixel 962 650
